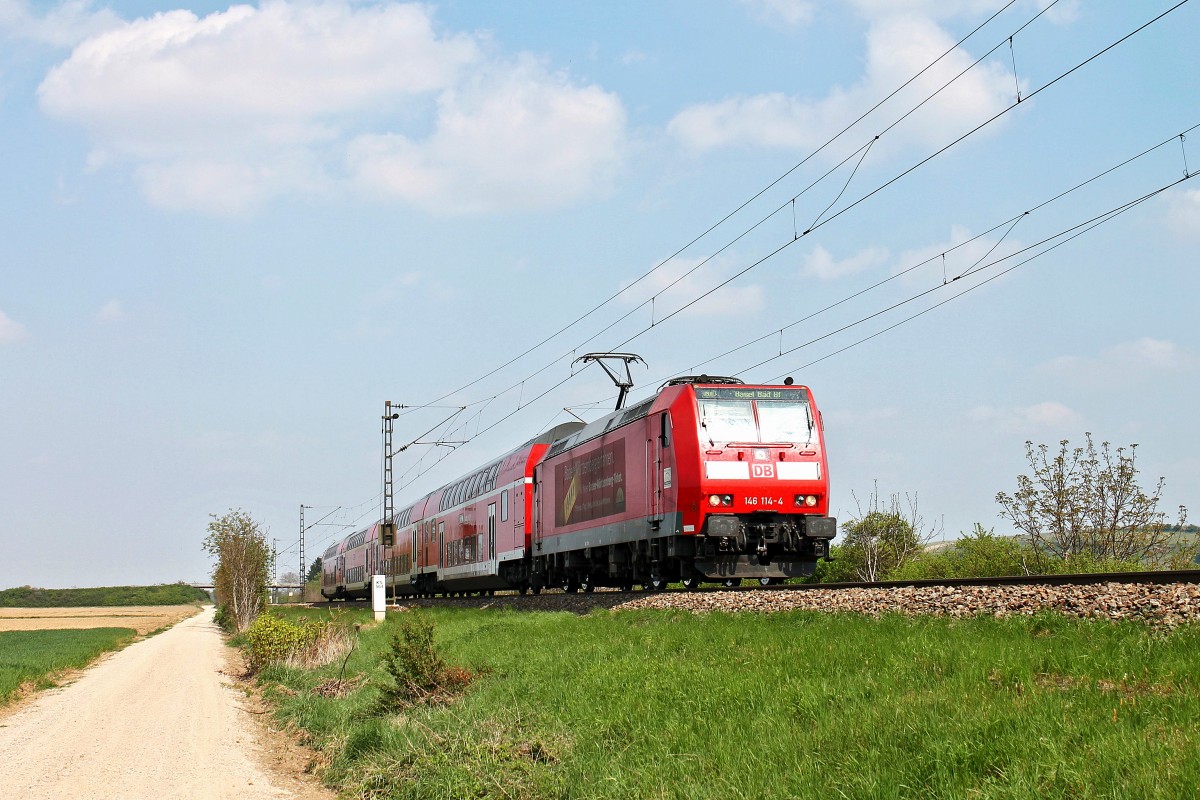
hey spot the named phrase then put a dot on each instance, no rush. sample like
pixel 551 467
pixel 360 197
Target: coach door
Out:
pixel 491 532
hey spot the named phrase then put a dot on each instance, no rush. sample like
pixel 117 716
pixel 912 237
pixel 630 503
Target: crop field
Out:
pixel 29 659
pixel 796 704
pixel 142 619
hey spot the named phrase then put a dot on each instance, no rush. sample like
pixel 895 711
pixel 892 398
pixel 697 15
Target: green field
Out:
pixel 167 594
pixel 34 657
pixel 666 704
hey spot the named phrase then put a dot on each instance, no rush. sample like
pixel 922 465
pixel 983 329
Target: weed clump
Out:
pixel 419 674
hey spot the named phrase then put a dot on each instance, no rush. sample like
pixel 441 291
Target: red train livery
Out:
pixel 710 479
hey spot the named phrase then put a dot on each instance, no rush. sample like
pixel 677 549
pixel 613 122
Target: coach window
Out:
pixel 504 506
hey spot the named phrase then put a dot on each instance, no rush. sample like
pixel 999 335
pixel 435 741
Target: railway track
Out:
pixel 1166 598
pixel 1081 579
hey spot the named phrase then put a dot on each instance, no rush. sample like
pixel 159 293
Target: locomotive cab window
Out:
pixel 784 421
pixel 728 421
pixel 766 420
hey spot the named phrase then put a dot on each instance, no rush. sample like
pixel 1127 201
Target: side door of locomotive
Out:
pixel 659 463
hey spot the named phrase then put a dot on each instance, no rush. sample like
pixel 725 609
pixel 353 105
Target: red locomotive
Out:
pixel 710 479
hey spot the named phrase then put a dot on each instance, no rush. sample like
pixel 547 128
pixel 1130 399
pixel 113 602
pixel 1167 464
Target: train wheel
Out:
pixel 587 586
pixel 769 581
pixel 732 582
pixel 536 589
pixel 658 584
pixel 691 583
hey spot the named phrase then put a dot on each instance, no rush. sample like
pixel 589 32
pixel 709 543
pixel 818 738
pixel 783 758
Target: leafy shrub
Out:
pixel 419 674
pixel 982 554
pixel 271 640
pixel 222 619
pixel 840 567
pixel 979 554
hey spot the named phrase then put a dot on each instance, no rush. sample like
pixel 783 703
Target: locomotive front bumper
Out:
pixel 743 566
pixel 762 545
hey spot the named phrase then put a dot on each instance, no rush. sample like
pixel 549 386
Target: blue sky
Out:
pixel 229 233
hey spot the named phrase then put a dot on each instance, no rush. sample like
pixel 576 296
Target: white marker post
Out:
pixel 378 597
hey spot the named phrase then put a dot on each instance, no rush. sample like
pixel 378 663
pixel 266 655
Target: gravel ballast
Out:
pixel 1158 604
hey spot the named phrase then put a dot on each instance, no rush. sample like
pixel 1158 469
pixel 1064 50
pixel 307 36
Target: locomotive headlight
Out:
pixel 714 500
pixel 727 500
pixel 809 500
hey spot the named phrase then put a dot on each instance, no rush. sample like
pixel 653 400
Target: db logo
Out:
pixel 762 470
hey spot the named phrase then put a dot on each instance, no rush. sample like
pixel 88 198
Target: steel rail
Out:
pixel 1080 579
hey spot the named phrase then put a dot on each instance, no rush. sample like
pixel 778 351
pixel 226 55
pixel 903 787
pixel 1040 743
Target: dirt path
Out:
pixel 156 720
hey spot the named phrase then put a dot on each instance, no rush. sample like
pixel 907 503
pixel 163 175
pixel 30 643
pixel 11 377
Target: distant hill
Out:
pixel 167 594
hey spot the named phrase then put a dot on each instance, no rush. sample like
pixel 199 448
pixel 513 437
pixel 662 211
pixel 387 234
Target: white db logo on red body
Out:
pixel 762 470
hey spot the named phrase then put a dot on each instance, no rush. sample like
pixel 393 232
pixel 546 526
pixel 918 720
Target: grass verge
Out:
pixel 670 704
pixel 31 659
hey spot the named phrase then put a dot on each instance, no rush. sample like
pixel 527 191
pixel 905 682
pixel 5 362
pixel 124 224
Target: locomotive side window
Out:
pixel 504 506
pixel 728 421
pixel 784 421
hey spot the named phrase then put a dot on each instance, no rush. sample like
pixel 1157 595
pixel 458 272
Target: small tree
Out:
pixel 314 572
pixel 241 575
pixel 882 539
pixel 1087 503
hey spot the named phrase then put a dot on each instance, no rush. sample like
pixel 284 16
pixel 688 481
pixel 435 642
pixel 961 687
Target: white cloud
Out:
pixel 1137 357
pixel 110 313
pixel 516 136
pixel 790 13
pixel 11 331
pixel 224 112
pixel 821 264
pixel 1049 416
pixel 675 284
pixel 64 25
pixel 901 40
pixel 1183 213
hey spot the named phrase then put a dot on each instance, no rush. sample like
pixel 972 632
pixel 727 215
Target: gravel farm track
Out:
pixel 159 719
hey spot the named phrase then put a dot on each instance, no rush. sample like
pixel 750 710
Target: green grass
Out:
pixel 169 594
pixel 35 656
pixel 667 704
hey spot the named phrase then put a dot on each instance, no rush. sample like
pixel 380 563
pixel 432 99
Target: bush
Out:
pixel 840 567
pixel 979 554
pixel 271 640
pixel 982 554
pixel 418 672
